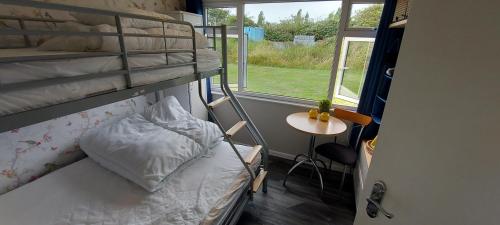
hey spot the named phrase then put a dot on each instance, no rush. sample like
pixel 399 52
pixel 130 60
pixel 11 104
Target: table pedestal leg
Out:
pixel 309 158
pixel 297 157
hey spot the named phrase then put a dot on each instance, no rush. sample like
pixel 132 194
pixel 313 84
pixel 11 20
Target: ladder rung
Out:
pixel 252 155
pixel 258 180
pixel 218 102
pixel 233 130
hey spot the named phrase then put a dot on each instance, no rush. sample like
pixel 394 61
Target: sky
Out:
pixel 274 12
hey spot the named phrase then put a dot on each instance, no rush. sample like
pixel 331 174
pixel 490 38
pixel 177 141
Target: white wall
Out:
pixel 181 93
pixel 197 107
pixel 189 98
pixel 270 118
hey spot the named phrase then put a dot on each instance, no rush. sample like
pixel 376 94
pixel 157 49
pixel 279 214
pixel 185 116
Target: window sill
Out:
pixel 281 100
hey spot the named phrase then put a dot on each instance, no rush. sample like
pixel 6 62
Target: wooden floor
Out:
pixel 300 202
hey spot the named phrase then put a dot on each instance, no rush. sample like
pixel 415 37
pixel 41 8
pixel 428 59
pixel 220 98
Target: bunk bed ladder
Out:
pixel 259 179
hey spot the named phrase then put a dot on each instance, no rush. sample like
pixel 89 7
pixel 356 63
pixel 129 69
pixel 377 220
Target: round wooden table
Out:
pixel 313 127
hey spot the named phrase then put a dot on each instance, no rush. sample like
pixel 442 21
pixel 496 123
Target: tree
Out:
pixel 261 20
pixel 218 16
pixel 306 18
pixel 298 18
pixel 286 29
pixel 223 16
pixel 248 22
pixel 367 17
pixel 334 16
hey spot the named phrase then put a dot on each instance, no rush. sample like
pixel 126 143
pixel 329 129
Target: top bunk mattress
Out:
pixel 26 99
pixel 86 193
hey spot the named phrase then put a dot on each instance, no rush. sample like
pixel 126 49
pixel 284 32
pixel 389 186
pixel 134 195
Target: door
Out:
pixel 438 150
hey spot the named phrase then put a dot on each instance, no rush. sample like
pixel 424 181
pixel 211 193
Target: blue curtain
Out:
pixel 376 68
pixel 194 6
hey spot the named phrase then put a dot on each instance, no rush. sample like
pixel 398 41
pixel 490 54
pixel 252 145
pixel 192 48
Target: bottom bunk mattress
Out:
pixel 27 99
pixel 86 193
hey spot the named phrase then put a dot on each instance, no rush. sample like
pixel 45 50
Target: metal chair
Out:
pixel 346 155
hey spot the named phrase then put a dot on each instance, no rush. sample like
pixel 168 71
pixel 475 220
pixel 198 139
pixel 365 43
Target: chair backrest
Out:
pixel 353 117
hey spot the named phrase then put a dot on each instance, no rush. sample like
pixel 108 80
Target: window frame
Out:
pixel 343 32
pixel 343 58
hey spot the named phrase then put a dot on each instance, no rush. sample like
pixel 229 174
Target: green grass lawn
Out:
pixel 296 71
pixel 352 82
pixel 292 82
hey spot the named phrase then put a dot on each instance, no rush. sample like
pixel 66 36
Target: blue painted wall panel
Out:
pixel 254 33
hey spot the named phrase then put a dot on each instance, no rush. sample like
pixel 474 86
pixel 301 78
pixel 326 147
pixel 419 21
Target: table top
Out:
pixel 302 122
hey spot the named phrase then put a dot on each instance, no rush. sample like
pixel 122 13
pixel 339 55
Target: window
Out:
pixel 299 51
pixel 355 56
pixel 294 56
pixel 217 17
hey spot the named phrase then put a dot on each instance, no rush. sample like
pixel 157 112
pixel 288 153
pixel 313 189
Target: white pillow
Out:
pixel 139 150
pixel 169 114
pixel 168 109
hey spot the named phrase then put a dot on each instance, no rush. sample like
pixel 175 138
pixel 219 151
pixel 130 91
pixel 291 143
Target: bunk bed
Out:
pixel 14 115
pixel 38 85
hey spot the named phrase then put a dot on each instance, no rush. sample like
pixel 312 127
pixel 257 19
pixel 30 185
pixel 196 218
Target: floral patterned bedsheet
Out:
pixel 31 152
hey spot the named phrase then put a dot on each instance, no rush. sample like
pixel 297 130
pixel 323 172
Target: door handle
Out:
pixel 378 207
pixel 375 199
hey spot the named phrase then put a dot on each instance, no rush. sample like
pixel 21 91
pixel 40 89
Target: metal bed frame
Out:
pixel 25 118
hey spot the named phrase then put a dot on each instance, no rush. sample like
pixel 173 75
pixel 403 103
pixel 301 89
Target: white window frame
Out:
pixel 343 58
pixel 343 31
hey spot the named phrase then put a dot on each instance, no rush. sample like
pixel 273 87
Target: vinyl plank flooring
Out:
pixel 300 202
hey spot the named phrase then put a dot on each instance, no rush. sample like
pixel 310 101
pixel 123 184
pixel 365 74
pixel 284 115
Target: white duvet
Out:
pixel 85 193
